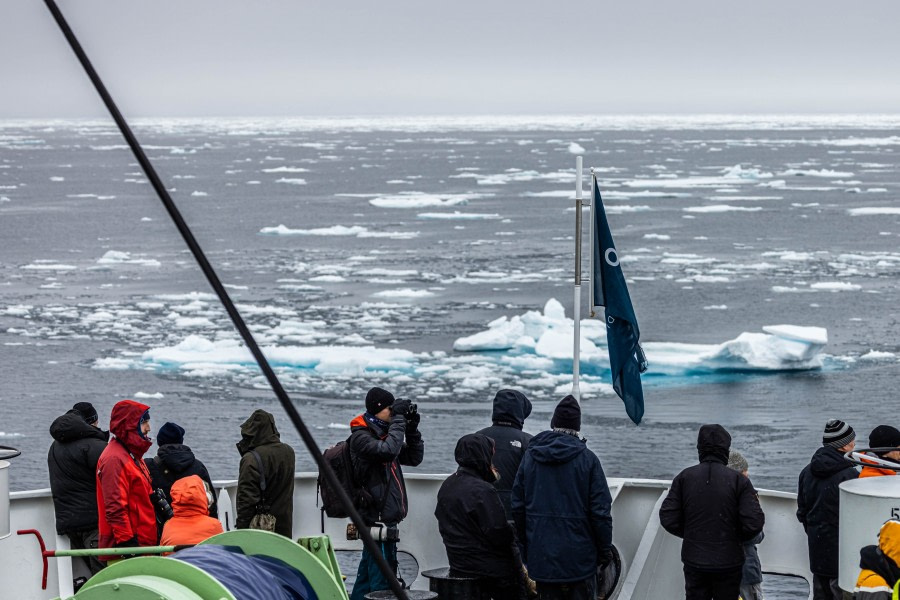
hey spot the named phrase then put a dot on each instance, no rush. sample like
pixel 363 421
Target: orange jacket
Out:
pixel 123 482
pixel 191 523
pixel 874 471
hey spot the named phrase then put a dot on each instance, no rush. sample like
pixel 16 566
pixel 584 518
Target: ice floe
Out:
pixel 115 257
pixel 877 355
pixel 334 230
pixel 736 175
pixel 869 211
pixel 835 286
pixel 403 293
pixel 721 208
pixel 816 173
pixel 284 169
pixel 457 215
pixel 420 200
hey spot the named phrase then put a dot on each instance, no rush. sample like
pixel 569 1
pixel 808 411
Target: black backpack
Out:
pixel 338 458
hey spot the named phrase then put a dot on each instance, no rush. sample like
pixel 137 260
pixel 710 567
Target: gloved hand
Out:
pixel 604 557
pixel 132 543
pixel 530 585
pixel 412 422
pixel 401 406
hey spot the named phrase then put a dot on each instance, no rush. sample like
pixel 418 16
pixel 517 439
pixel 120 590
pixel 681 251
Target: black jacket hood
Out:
pixel 474 452
pixel 177 457
pixel 511 407
pixel 827 461
pixel 71 426
pixel 713 443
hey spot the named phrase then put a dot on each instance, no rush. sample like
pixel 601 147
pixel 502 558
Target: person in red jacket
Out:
pixel 125 512
pixel 191 523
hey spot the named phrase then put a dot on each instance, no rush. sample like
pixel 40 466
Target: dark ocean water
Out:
pixel 93 275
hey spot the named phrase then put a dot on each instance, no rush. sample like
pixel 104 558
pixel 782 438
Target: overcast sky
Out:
pixel 424 57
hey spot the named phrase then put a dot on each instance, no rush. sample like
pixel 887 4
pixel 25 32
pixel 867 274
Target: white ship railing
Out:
pixel 650 556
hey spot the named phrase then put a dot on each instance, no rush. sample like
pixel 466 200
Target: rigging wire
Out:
pixel 224 298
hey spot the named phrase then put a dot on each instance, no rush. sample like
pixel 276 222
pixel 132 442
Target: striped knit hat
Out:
pixel 837 434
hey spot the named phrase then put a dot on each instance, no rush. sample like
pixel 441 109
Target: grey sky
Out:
pixel 421 57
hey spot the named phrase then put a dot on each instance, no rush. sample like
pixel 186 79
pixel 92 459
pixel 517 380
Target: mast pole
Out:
pixel 576 316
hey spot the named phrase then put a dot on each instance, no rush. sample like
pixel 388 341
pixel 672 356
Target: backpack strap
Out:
pixel 262 477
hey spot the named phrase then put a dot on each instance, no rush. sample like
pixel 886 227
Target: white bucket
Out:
pixel 4 499
pixel 865 505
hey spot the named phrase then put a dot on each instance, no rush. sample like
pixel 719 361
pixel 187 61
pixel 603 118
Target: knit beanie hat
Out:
pixel 377 400
pixel 87 412
pixel 737 462
pixel 567 414
pixel 170 433
pixel 837 434
pixel 884 436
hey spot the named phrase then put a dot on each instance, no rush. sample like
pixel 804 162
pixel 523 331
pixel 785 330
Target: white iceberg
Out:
pixel 549 335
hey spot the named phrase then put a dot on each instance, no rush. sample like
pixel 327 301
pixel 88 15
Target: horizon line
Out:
pixel 500 121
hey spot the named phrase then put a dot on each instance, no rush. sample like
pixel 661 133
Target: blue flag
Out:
pixel 608 290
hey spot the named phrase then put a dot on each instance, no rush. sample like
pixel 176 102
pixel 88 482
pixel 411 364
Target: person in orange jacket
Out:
pixel 126 515
pixel 880 564
pixel 883 436
pixel 191 523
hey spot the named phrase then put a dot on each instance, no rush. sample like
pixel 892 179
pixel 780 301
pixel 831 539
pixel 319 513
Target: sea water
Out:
pixel 367 252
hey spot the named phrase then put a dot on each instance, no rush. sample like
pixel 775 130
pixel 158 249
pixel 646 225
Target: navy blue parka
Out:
pixel 561 503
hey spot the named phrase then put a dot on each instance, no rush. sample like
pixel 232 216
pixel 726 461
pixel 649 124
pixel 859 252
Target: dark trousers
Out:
pixel 576 590
pixel 86 540
pixel 368 576
pixel 711 585
pixel 496 588
pixel 826 588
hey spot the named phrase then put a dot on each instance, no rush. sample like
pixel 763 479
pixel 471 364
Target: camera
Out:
pixel 380 532
pixel 161 504
pixel 410 410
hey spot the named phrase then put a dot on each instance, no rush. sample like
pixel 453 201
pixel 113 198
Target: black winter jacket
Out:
pixel 478 538
pixel 171 463
pixel 511 408
pixel 259 433
pixel 376 456
pixel 714 509
pixel 818 506
pixel 561 507
pixel 72 462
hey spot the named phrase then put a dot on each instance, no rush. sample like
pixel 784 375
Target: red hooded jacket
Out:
pixel 124 510
pixel 191 523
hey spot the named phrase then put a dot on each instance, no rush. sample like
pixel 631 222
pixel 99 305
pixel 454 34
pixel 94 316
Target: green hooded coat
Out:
pixel 259 433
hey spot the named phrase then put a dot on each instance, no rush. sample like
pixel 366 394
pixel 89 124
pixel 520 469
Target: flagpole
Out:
pixel 576 361
pixel 591 302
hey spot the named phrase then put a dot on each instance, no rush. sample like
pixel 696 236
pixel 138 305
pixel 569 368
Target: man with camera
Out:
pixel 126 514
pixel 383 438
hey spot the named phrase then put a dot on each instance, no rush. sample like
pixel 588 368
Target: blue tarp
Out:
pixel 249 577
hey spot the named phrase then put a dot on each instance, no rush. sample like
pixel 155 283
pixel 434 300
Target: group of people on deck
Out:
pixel 107 495
pixel 522 517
